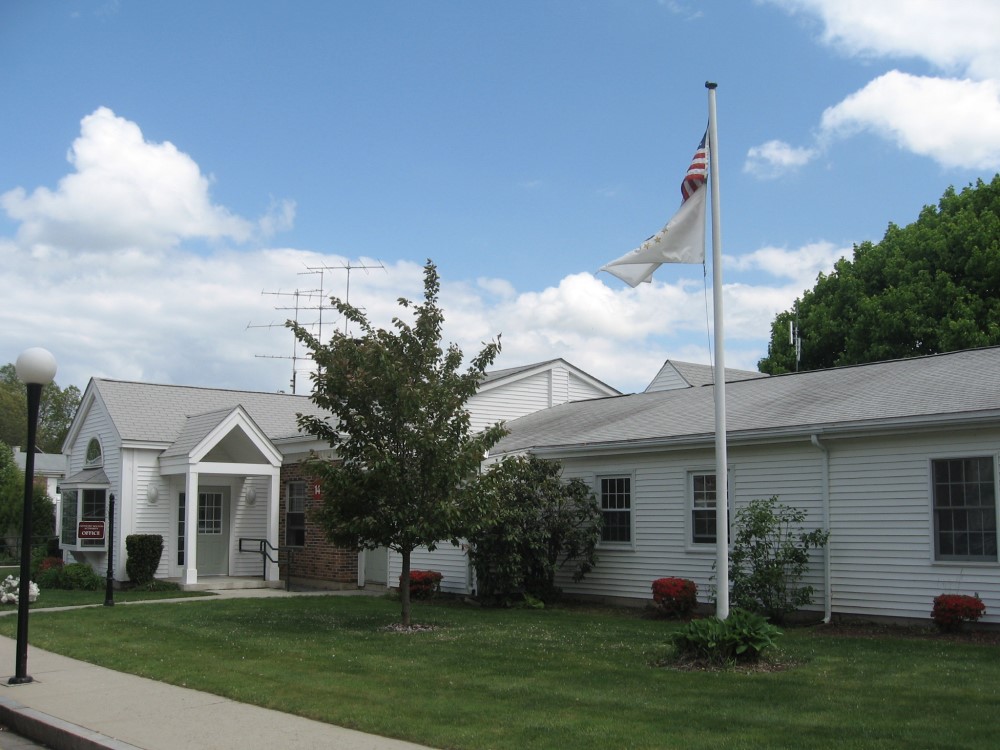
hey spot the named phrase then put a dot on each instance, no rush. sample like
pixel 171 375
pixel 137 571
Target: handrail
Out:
pixel 264 548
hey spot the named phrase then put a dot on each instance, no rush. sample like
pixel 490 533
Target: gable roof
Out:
pixel 493 377
pixel 955 387
pixel 695 375
pixel 147 412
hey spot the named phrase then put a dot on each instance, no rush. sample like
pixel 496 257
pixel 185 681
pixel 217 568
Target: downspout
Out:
pixel 827 586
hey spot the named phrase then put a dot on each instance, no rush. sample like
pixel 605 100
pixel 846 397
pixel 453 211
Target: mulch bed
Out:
pixel 858 629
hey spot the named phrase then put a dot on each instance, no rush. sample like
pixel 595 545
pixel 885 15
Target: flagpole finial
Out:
pixel 710 85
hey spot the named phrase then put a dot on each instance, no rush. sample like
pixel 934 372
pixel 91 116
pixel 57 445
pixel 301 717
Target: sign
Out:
pixel 90 530
pixel 317 490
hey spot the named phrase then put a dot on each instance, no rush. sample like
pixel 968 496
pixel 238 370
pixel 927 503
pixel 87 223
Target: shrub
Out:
pixel 44 564
pixel 423 583
pixel 73 576
pixel 676 597
pixel 769 557
pixel 144 552
pixel 529 525
pixel 952 610
pixel 740 638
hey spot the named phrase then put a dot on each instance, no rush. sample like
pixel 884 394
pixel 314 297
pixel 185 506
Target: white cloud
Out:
pixel 119 307
pixel 775 158
pixel 801 266
pixel 956 123
pixel 952 119
pixel 956 37
pixel 124 192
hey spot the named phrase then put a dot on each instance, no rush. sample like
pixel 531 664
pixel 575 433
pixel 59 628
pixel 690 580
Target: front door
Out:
pixel 377 566
pixel 213 531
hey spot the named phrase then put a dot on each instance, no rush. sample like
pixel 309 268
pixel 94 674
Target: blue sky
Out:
pixel 163 164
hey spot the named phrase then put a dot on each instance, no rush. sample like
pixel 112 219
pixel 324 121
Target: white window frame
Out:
pixel 965 560
pixel 599 491
pixel 689 508
pixel 78 490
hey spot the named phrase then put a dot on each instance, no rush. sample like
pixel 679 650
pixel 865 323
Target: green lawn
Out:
pixel 554 678
pixel 50 598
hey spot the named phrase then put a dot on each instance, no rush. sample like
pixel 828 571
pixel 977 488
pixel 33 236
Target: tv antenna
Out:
pixel 309 299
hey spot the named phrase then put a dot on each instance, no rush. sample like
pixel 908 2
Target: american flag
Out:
pixel 697 172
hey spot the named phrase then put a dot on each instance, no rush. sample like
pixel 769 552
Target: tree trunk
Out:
pixel 404 588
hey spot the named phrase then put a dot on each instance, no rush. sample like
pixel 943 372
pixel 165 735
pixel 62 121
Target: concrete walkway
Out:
pixel 73 705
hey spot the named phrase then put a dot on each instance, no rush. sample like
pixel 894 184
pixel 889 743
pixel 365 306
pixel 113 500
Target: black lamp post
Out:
pixel 35 368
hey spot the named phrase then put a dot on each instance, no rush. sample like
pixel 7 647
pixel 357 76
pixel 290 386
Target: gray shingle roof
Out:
pixel 956 385
pixel 147 412
pixel 698 375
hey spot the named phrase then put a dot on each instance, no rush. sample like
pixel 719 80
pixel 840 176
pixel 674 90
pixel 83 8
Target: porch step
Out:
pixel 227 583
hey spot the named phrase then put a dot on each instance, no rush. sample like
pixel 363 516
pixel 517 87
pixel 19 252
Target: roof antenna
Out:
pixel 795 338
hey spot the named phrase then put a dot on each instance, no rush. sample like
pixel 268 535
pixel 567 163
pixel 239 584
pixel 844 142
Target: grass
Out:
pixel 554 678
pixel 50 598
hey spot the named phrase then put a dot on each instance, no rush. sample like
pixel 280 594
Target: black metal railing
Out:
pixel 264 548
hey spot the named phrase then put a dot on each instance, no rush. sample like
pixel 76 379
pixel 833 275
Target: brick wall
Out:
pixel 318 562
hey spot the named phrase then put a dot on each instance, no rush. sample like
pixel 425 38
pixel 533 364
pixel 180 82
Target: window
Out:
pixel 616 509
pixel 94 456
pixel 703 508
pixel 210 513
pixel 69 515
pixel 181 520
pixel 295 514
pixel 965 509
pixel 85 504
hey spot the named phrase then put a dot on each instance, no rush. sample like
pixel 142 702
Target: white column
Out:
pixel 273 496
pixel 191 527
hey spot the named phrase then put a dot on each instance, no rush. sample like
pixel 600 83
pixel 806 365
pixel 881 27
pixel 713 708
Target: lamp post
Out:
pixel 35 368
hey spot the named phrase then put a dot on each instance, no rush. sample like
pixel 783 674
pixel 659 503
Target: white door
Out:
pixel 213 531
pixel 377 566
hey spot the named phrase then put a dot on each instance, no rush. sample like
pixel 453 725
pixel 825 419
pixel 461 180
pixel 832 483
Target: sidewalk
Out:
pixel 73 705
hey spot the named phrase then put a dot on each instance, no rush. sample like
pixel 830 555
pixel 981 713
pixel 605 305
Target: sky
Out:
pixel 177 179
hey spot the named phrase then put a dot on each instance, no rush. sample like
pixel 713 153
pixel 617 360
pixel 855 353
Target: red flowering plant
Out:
pixel 952 610
pixel 676 597
pixel 424 583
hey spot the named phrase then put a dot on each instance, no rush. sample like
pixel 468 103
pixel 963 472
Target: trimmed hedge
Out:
pixel 144 552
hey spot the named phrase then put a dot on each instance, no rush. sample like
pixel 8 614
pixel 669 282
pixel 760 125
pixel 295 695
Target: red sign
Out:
pixel 317 490
pixel 90 530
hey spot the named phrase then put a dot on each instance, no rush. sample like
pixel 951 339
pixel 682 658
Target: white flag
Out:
pixel 682 240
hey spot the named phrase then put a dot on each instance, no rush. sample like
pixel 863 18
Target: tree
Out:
pixel 12 500
pixel 930 287
pixel 532 524
pixel 406 463
pixel 55 412
pixel 769 557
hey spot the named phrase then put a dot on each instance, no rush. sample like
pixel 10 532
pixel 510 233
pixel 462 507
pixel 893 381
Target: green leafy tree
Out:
pixel 930 287
pixel 12 500
pixel 770 556
pixel 532 525
pixel 407 461
pixel 55 412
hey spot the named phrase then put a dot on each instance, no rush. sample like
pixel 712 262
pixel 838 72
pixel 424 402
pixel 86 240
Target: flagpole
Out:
pixel 721 459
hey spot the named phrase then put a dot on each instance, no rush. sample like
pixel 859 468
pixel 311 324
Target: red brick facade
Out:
pixel 317 562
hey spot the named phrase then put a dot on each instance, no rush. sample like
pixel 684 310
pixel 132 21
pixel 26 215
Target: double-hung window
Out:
pixel 616 509
pixel 295 514
pixel 965 509
pixel 702 489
